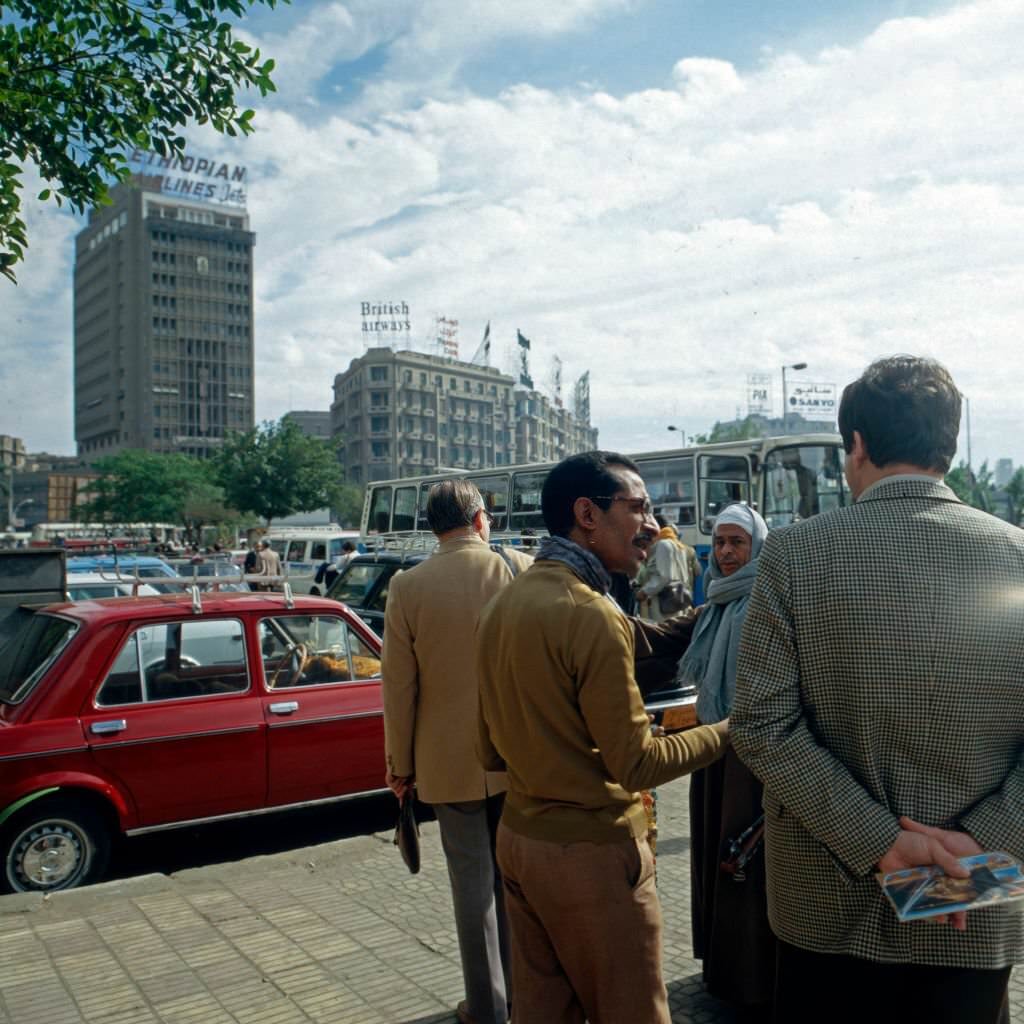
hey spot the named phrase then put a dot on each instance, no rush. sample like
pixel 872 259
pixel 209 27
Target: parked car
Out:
pixel 363 583
pixel 210 572
pixel 130 715
pixel 147 567
pixel 87 586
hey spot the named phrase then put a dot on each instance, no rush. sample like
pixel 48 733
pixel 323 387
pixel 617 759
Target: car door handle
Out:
pixel 106 728
pixel 284 707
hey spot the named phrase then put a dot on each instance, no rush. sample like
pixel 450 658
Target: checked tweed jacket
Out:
pixel 881 672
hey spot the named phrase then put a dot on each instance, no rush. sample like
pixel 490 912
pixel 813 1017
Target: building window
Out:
pixel 378 373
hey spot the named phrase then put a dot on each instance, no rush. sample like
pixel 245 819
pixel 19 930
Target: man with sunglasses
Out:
pixel 430 713
pixel 560 709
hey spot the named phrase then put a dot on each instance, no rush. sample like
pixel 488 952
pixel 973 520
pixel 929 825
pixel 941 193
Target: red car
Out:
pixel 132 715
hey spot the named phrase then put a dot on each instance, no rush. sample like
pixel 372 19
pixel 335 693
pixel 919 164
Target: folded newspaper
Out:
pixel 921 892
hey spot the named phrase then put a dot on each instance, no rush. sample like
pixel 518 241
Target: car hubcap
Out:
pixel 48 856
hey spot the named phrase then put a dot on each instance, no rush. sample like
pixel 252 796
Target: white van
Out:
pixel 303 549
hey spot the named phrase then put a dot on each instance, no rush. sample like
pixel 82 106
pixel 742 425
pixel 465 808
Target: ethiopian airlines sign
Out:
pixel 192 177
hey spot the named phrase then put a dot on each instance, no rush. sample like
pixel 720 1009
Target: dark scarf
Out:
pixel 587 566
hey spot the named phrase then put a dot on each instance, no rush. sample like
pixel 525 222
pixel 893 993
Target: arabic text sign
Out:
pixel 813 401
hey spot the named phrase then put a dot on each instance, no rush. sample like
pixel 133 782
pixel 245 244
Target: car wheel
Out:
pixel 55 844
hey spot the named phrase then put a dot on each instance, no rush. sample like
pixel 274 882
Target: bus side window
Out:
pixel 526 513
pixel 380 511
pixel 494 490
pixel 404 516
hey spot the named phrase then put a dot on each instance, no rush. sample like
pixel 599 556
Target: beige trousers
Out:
pixel 586 931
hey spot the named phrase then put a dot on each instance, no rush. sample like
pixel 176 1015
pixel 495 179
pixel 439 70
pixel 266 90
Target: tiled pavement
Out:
pixel 337 933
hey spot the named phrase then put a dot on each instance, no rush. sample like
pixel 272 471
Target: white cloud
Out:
pixel 830 209
pixel 425 42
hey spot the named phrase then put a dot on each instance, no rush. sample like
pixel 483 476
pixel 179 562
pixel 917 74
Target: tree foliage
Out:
pixel 1014 492
pixel 85 82
pixel 348 504
pixel 972 488
pixel 137 486
pixel 275 470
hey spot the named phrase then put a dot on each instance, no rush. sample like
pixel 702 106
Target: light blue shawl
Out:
pixel 710 661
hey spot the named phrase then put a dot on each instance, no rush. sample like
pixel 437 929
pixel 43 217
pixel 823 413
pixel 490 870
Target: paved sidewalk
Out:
pixel 334 933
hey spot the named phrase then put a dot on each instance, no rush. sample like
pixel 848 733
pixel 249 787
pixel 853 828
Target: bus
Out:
pixel 785 478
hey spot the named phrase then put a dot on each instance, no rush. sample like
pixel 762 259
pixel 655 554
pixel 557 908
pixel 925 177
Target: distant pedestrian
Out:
pixel 431 696
pixel 268 563
pixel 559 706
pixel 667 578
pixel 328 572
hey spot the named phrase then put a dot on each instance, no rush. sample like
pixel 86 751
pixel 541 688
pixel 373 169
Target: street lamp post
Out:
pixel 970 465
pixel 682 434
pixel 785 406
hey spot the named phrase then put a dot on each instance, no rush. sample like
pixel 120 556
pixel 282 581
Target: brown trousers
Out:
pixel 586 931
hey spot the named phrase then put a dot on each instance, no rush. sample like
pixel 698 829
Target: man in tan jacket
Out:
pixel 430 725
pixel 561 710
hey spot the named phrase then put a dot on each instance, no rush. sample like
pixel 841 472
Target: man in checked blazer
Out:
pixel 880 698
pixel 431 698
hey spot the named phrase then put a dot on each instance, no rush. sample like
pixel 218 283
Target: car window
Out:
pixel 380 599
pixel 313 650
pixel 177 660
pixel 30 651
pixel 296 551
pixel 356 582
pixel 89 591
pixel 319 551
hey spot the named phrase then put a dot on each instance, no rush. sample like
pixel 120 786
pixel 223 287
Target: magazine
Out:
pixel 921 892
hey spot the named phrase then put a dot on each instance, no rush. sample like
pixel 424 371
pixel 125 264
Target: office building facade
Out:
pixel 163 342
pixel 405 414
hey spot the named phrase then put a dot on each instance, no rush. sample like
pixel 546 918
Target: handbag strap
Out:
pixel 498 549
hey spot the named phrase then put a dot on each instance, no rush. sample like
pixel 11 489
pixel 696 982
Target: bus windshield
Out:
pixel 800 481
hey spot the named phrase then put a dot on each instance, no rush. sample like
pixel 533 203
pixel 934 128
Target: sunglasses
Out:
pixel 642 506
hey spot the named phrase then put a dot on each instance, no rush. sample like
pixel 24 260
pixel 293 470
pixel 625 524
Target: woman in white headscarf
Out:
pixel 730 918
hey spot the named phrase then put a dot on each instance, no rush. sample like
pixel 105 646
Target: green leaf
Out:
pixel 97 78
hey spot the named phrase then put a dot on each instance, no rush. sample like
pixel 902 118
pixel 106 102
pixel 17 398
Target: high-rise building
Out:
pixel 1003 472
pixel 408 413
pixel 163 323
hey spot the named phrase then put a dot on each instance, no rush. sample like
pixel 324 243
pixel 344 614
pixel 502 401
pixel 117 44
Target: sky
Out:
pixel 671 194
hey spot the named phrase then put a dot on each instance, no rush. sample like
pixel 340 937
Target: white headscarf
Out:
pixel 710 661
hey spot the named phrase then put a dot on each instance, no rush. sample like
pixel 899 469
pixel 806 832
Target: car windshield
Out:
pixel 356 582
pixel 26 656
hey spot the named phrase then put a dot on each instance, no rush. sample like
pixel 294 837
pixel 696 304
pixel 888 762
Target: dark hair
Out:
pixel 452 504
pixel 907 409
pixel 348 546
pixel 661 520
pixel 588 475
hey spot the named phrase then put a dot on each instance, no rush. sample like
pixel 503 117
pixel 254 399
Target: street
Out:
pixel 337 932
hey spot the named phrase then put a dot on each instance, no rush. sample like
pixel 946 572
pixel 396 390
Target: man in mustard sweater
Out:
pixel 560 710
